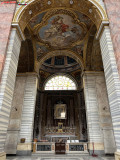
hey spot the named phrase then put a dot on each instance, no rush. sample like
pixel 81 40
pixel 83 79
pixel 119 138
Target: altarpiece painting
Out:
pixel 60 111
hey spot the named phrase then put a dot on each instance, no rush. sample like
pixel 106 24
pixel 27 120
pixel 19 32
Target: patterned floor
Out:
pixel 60 157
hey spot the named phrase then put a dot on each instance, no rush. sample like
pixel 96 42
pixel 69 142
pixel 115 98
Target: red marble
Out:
pixel 6 16
pixel 2 60
pixel 113 11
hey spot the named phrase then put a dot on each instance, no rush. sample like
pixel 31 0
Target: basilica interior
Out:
pixel 60 103
pixel 65 34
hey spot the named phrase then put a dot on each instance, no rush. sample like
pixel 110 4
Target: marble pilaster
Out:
pixel 7 84
pixel 112 82
pixel 27 120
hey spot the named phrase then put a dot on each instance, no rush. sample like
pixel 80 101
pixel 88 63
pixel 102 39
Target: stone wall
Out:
pixel 7 84
pixel 22 115
pixel 27 118
pixel 113 11
pixel 112 82
pixel 6 15
pixel 105 115
pixel 98 114
pixel 15 116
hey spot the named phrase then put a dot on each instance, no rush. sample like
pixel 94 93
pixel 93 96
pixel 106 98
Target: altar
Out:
pixel 60 134
pixel 57 137
pixel 60 148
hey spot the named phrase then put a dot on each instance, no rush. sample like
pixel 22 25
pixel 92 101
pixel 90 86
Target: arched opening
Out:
pixel 60 101
pixel 60 82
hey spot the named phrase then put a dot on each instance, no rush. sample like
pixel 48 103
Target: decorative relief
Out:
pixel 36 20
pixel 76 148
pixel 40 50
pixel 40 6
pixel 79 49
pixel 85 19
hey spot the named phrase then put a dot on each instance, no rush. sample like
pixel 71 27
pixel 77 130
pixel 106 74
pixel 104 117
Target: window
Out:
pixel 60 83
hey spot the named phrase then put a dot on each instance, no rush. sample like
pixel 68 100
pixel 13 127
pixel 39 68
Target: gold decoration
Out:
pixel 75 21
pixel 22 16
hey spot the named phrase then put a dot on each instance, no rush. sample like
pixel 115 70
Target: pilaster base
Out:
pixel 24 149
pixel 117 155
pixel 3 156
pixel 98 148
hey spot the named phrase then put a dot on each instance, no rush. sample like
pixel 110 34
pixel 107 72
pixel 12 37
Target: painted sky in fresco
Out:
pixel 61 31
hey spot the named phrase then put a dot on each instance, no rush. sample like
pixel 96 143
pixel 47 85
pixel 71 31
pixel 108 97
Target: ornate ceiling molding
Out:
pixel 54 19
pixel 69 53
pixel 91 8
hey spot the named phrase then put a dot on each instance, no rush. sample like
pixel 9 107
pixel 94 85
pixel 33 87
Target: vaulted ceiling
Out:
pixel 60 30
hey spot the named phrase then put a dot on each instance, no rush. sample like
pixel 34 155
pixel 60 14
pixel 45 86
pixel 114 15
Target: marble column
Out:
pixel 27 119
pixel 7 85
pixel 92 114
pixel 112 83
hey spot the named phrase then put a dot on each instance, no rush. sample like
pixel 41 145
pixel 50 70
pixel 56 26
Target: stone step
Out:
pixel 68 155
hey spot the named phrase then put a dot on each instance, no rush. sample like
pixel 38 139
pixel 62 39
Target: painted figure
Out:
pixel 61 31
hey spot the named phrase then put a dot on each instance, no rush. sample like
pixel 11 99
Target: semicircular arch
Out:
pixel 60 81
pixel 48 55
pixel 23 16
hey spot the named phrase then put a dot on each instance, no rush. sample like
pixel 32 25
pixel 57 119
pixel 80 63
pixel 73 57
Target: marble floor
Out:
pixel 60 157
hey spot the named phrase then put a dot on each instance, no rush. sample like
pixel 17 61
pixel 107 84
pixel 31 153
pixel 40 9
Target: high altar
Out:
pixel 59 133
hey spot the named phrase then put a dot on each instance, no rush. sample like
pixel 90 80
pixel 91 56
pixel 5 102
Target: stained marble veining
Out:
pixel 113 11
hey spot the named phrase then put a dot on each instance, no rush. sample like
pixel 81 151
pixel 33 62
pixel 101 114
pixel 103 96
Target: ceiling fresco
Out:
pixel 79 49
pixel 84 19
pixel 62 31
pixel 40 50
pixel 59 29
pixel 90 8
pixel 36 20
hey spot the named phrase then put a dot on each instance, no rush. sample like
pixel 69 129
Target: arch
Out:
pixel 69 53
pixel 22 16
pixel 60 82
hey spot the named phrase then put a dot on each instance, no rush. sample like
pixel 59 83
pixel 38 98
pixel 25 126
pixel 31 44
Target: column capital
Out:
pixel 20 33
pixel 95 73
pixel 101 28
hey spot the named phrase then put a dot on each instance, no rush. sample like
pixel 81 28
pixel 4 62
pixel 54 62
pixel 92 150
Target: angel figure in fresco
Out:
pixel 61 31
pixel 39 52
pixel 59 24
pixel 79 50
pixel 57 27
